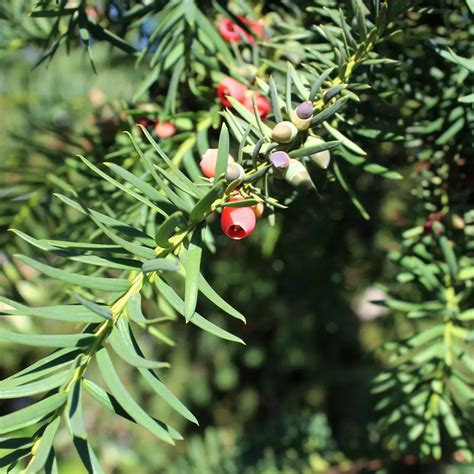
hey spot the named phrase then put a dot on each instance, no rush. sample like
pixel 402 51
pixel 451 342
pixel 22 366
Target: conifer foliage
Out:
pixel 238 110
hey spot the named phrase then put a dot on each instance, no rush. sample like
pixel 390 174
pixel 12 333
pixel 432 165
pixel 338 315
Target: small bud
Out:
pixel 208 162
pixel 284 132
pixel 305 110
pixel 299 123
pixel 297 175
pixel 279 160
pixel 234 171
pixel 258 209
pixel 457 222
pixel 238 222
pixel 322 158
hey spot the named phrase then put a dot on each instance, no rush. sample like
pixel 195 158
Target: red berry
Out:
pixel 229 30
pixel 230 87
pixel 144 122
pixel 257 27
pixel 238 222
pixel 165 129
pixel 263 104
pixel 208 162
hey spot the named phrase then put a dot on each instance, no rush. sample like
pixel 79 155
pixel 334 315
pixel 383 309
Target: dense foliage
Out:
pixel 145 123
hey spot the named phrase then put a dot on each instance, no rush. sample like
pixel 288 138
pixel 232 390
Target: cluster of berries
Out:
pixel 239 222
pixel 233 33
pixel 231 87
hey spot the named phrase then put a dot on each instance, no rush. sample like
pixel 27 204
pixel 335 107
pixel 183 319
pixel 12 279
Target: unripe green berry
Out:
pixel 322 158
pixel 234 171
pixel 298 176
pixel 284 132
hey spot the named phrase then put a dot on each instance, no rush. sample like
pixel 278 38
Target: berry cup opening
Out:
pixel 236 232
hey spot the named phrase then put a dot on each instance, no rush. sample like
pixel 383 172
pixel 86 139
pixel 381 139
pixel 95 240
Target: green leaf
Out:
pixel 15 443
pixel 105 399
pixel 170 295
pixel 374 168
pixel 52 13
pixel 146 83
pixel 121 186
pixel 95 283
pixel 127 352
pixel 147 189
pixel 346 188
pixel 467 315
pixel 451 132
pixel 167 229
pixel 33 388
pixel 206 289
pixel 43 448
pixel 333 91
pixel 171 165
pixel 192 191
pixel 109 262
pixel 288 89
pixel 105 222
pixel 58 359
pixel 66 313
pixel 242 203
pixel 222 152
pixel 344 140
pixel 203 206
pixel 13 457
pixel 135 249
pixel 328 112
pixel 74 418
pixel 87 455
pixel 160 264
pixel 43 340
pixel 31 414
pixel 179 67
pixel 103 311
pixel 249 116
pixel 160 388
pixel 306 151
pixel 192 266
pixel 76 427
pixel 464 274
pixel 137 413
pixel 157 385
pixel 300 87
pixel 449 255
pixel 467 99
pixel 100 33
pixel 205 25
pixel 275 101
